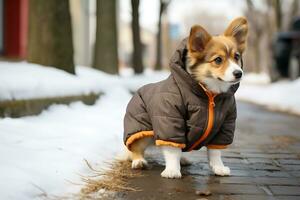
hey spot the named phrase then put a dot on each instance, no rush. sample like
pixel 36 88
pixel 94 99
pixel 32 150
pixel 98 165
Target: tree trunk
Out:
pixel 278 14
pixel 50 34
pixel 137 60
pixel 162 8
pixel 293 12
pixel 158 64
pixel 106 46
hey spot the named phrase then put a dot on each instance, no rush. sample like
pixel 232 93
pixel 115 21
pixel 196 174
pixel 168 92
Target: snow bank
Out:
pixel 253 78
pixel 22 80
pixel 46 151
pixel 281 96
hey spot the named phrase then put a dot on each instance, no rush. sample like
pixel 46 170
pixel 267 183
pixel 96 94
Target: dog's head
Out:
pixel 217 58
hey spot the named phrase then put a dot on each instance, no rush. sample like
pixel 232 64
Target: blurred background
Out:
pixel 114 36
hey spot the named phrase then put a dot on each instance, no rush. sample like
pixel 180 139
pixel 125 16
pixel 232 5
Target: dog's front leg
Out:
pixel 216 163
pixel 172 159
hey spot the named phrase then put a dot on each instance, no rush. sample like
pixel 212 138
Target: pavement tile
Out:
pixel 197 171
pixel 265 173
pixel 245 150
pixel 260 180
pixel 260 160
pixel 295 173
pixel 247 197
pixel 234 160
pixel 262 166
pixel 237 166
pixel 291 167
pixel 276 181
pixel 271 155
pixel 287 197
pixel 237 180
pixel 289 161
pixel 232 189
pixel 285 190
pixel 238 172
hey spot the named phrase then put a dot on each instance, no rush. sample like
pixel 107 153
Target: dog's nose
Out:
pixel 237 73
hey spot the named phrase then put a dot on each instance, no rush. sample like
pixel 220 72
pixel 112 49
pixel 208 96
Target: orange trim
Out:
pixel 137 136
pixel 211 104
pixel 216 146
pixel 174 144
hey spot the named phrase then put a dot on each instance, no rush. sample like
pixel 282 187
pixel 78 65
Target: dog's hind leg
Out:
pixel 137 152
pixel 172 158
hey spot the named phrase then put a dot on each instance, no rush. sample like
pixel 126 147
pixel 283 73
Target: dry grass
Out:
pixel 114 179
pixel 101 183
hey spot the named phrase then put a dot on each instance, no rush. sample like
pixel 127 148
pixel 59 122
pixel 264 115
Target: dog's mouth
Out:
pixel 232 82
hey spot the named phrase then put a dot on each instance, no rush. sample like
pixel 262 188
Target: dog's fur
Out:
pixel 214 62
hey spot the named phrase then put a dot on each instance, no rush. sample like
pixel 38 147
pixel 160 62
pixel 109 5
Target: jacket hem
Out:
pixel 168 143
pixel 137 136
pixel 216 146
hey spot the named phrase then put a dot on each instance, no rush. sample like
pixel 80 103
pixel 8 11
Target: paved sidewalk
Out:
pixel 264 162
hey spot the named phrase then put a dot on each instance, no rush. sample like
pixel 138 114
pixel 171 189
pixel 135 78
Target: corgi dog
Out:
pixel 214 62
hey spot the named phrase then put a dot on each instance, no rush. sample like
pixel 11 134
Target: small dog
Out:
pixel 194 106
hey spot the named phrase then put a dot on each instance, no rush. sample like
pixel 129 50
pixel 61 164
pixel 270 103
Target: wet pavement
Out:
pixel 264 162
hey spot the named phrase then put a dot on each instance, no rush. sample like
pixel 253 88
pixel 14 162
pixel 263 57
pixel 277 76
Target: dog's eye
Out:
pixel 218 60
pixel 237 56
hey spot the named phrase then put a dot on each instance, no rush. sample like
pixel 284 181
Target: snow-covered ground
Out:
pixel 46 151
pixel 279 96
pixel 22 80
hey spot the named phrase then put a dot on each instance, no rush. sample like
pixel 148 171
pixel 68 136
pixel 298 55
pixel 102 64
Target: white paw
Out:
pixel 171 173
pixel 220 170
pixel 185 162
pixel 139 163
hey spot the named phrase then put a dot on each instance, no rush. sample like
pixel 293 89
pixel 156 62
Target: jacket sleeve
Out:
pixel 168 121
pixel 225 136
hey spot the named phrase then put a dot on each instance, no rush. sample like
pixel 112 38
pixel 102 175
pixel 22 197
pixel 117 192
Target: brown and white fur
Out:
pixel 214 62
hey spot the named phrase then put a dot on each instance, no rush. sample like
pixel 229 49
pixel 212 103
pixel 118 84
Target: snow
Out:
pixel 22 80
pixel 47 151
pixel 280 96
pixel 253 78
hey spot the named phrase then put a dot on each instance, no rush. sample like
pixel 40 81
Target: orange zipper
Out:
pixel 211 104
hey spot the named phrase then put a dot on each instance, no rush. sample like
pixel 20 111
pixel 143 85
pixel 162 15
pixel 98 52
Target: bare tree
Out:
pixel 256 28
pixel 106 46
pixel 162 8
pixel 50 34
pixel 294 10
pixel 278 12
pixel 137 56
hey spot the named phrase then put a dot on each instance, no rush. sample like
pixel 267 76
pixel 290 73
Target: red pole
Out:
pixel 15 28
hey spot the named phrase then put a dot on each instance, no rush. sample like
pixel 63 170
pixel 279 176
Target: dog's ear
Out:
pixel 198 38
pixel 238 29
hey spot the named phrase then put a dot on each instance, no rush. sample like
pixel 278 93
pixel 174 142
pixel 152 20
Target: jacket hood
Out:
pixel 183 78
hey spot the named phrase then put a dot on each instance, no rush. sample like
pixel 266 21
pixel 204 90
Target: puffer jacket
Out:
pixel 180 112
